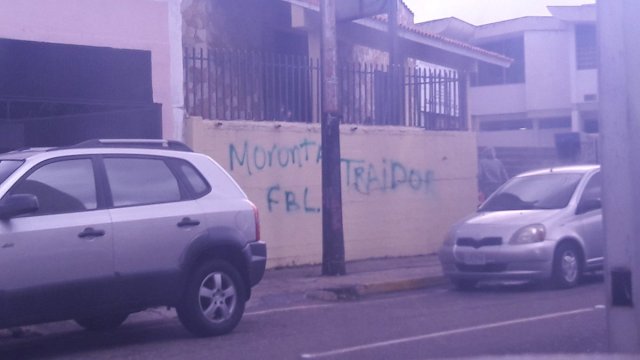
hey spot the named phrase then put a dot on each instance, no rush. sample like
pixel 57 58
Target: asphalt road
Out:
pixel 434 323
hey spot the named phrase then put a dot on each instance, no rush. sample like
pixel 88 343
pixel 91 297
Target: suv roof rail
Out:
pixel 134 143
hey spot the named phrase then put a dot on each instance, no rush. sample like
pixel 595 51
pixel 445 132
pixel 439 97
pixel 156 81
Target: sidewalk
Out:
pixel 288 286
pixel 364 277
pixel 293 285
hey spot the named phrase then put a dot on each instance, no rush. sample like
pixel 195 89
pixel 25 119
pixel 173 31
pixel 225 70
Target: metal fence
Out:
pixel 242 85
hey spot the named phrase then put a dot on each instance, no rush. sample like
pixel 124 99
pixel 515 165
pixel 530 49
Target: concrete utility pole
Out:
pixel 394 56
pixel 619 79
pixel 332 229
pixel 396 74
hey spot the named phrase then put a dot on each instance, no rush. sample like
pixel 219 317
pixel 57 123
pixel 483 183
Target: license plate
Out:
pixel 474 259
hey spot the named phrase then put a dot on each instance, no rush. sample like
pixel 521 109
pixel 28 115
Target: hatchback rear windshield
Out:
pixel 548 191
pixel 7 167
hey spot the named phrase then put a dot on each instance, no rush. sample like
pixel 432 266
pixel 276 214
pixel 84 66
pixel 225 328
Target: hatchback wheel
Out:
pixel 102 322
pixel 567 266
pixel 214 300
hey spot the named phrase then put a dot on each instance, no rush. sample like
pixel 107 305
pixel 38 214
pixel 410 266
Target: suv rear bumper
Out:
pixel 256 255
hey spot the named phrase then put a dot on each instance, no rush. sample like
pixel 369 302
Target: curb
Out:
pixel 340 293
pixel 355 292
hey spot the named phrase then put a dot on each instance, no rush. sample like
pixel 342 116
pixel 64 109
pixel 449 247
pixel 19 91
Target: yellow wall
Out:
pixel 401 187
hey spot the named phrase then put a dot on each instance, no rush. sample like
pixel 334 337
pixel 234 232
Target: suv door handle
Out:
pixel 91 232
pixel 187 221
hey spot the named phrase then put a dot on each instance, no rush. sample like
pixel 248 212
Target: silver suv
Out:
pixel 105 228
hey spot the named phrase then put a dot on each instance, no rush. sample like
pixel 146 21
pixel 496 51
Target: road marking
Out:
pixel 292 308
pixel 444 333
pixel 322 306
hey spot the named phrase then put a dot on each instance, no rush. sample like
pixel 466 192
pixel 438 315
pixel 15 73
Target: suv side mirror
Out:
pixel 18 204
pixel 588 205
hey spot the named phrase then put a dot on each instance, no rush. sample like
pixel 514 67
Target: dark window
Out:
pixel 593 190
pixel 136 181
pixel 198 185
pixel 496 75
pixel 505 125
pixel 586 47
pixel 555 123
pixel 61 187
pixel 591 125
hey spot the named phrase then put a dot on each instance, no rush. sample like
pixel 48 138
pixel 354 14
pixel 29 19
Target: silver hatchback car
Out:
pixel 544 224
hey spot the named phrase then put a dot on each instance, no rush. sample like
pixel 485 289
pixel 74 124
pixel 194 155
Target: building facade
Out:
pixel 77 69
pixel 548 97
pixel 407 155
pixel 237 50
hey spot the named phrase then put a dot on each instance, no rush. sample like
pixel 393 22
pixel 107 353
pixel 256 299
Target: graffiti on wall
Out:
pixel 362 176
pixel 256 158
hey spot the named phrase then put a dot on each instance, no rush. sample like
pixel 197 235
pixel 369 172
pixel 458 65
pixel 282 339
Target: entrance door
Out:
pixel 153 222
pixel 58 261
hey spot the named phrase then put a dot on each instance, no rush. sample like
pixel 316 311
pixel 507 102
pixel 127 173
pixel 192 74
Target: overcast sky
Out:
pixel 480 12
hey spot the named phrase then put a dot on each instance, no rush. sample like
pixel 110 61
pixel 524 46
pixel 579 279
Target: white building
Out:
pixel 550 88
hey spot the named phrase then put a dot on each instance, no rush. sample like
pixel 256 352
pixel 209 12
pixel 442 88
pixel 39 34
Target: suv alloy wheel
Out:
pixel 214 299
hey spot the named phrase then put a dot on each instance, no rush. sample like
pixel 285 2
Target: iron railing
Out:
pixel 242 85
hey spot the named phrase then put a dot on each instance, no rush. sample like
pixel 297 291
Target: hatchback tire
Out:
pixel 103 322
pixel 567 266
pixel 214 299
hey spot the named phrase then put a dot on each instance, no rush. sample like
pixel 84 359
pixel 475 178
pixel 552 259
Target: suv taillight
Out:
pixel 256 216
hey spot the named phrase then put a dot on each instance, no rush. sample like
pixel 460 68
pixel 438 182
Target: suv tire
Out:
pixel 103 322
pixel 214 299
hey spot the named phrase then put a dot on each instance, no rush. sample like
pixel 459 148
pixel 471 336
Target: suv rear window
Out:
pixel 141 181
pixel 197 182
